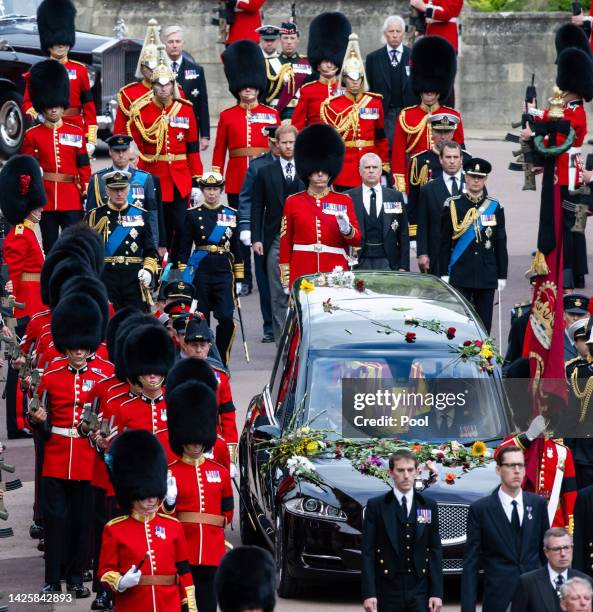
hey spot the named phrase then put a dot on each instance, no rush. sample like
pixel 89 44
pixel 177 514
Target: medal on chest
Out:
pixel 213 476
pixel 160 532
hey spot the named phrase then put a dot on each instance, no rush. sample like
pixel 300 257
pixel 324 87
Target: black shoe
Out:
pixel 245 290
pixel 268 338
pixel 87 575
pixel 19 435
pixel 51 588
pixel 102 602
pixel 36 531
pixel 78 590
pixel 579 281
pixel 41 545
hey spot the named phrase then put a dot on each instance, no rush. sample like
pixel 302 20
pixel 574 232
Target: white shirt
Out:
pixel 284 163
pixel 553 574
pixel 447 178
pixel 507 506
pixel 366 197
pixel 398 52
pixel 409 498
pixel 178 62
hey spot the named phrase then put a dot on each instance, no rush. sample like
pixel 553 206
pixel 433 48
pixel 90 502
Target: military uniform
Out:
pixel 247 20
pixel 442 19
pixel 312 96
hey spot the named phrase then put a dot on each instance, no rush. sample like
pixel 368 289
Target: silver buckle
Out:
pixel 318 248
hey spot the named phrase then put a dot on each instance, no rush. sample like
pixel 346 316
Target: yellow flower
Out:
pixel 307 286
pixel 486 352
pixel 478 449
pixel 311 447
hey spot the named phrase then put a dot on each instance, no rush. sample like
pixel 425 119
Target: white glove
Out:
pixel 502 283
pixel 445 278
pixel 195 194
pixel 171 496
pixel 286 290
pixel 238 287
pixel 90 148
pixel 145 277
pixel 344 224
pixel 536 428
pixel 413 245
pixel 130 579
pixel 245 237
pixel 233 470
pixel 40 118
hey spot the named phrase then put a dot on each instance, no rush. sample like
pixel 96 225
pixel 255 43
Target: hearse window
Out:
pixel 285 365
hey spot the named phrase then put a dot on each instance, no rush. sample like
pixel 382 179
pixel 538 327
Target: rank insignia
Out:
pixel 423 516
pixel 134 233
pixel 213 476
pixel 194 92
pixel 488 245
pixel 394 225
pixel 488 232
pixel 133 247
pixel 159 532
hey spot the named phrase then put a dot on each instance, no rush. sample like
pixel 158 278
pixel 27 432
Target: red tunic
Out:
pixel 125 97
pixel 203 486
pixel 310 222
pixel 175 160
pixel 81 111
pixel 67 455
pixel 413 134
pixel 360 124
pixel 312 96
pixel 34 329
pixel 226 424
pixel 126 540
pixel 445 20
pixel 247 20
pixel 240 133
pixel 50 353
pixel 60 150
pixel 24 257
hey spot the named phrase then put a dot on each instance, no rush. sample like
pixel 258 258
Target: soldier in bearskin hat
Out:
pixel 318 225
pixel 78 327
pixel 199 491
pixel 58 146
pixel 144 558
pixel 246 580
pixel 56 27
pixel 328 39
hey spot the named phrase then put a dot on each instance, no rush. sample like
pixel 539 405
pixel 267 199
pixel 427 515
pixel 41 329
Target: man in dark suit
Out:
pixel 381 215
pixel 274 182
pixel 388 72
pixel 504 535
pixel 401 546
pixel 191 78
pixel 576 307
pixel 538 590
pixel 583 531
pixel 430 206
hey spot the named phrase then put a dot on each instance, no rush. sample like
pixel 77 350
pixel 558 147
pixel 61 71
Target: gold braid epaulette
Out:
pixel 419 178
pixel 584 396
pixel 415 130
pixel 346 120
pixel 471 217
pixel 102 227
pixel 277 81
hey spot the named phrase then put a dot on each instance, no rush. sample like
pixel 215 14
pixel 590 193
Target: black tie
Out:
pixel 559 582
pixel 174 66
pixel 515 523
pixel 373 207
pixel 288 175
pixel 394 61
pixel 404 507
pixel 454 186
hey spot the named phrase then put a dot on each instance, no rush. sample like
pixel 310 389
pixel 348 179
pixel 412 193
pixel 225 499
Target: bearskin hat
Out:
pixel 244 66
pixel 49 85
pixel 56 23
pixel 190 370
pixel 126 327
pixel 118 319
pixel 137 467
pixel 21 188
pixel 575 72
pixel 318 147
pixel 57 268
pixel 246 579
pixel 86 240
pixel 148 350
pixel 328 38
pixel 569 35
pixel 77 323
pixel 433 66
pixel 92 287
pixel 191 416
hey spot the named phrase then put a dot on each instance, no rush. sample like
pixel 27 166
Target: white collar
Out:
pixel 284 162
pixel 399 49
pixel 507 500
pixel 553 574
pixel 456 176
pixel 409 496
pixel 367 189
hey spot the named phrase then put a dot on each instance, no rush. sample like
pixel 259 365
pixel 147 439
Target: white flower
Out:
pixel 298 464
pixel 456 446
pixel 338 269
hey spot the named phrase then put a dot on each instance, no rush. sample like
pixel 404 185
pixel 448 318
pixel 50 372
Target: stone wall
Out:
pixel 499 51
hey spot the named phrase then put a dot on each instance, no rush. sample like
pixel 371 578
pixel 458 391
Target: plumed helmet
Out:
pixel 318 147
pixel 148 350
pixel 77 323
pixel 56 23
pixel 49 85
pixel 137 467
pixel 353 63
pixel 433 66
pixel 191 416
pixel 244 66
pixel 149 55
pixel 328 38
pixel 575 72
pixel 21 188
pixel 246 579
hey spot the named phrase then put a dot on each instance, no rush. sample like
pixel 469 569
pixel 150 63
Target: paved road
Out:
pixel 21 565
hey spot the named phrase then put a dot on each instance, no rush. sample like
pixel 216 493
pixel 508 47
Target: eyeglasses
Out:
pixel 514 466
pixel 556 549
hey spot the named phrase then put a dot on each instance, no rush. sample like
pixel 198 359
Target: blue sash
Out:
pixel 468 236
pixel 196 257
pixel 120 233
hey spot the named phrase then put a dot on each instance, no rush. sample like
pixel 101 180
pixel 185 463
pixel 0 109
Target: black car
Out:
pixel 111 63
pixel 359 331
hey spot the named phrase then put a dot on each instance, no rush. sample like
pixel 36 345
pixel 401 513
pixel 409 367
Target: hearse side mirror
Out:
pixel 265 433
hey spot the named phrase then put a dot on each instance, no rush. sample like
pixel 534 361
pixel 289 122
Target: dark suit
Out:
pixel 191 79
pixel 535 592
pixel 392 83
pixel 430 211
pixel 394 227
pixel 384 561
pixel 583 531
pixel 491 544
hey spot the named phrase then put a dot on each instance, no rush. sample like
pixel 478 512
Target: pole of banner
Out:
pixel 500 322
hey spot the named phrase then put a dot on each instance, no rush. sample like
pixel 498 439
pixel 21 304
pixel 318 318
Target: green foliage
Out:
pixel 491 6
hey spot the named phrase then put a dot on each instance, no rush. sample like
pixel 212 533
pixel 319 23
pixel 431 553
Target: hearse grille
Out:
pixel 453 523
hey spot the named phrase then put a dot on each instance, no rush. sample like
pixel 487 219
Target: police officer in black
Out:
pixel 130 251
pixel 215 266
pixel 474 256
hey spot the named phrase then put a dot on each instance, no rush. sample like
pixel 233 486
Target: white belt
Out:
pixel 318 248
pixel 436 20
pixel 67 432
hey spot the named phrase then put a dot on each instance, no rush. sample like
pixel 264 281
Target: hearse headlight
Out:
pixel 315 508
